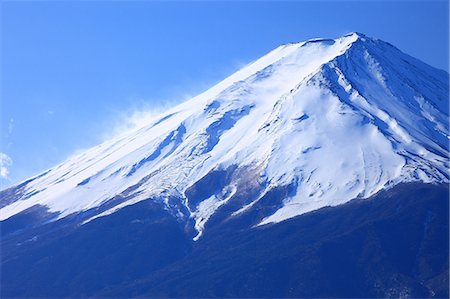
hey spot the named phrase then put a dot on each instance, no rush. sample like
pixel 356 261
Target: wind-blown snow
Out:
pixel 337 119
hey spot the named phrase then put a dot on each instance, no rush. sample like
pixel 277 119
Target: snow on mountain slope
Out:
pixel 332 120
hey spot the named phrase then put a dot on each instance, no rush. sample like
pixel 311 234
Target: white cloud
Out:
pixel 5 163
pixel 10 126
pixel 138 116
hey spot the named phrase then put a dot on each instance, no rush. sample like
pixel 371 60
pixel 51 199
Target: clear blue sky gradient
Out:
pixel 72 70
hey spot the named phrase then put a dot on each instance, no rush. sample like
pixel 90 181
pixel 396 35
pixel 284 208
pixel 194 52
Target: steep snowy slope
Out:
pixel 310 124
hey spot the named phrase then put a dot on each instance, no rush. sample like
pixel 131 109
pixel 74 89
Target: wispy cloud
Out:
pixel 144 111
pixel 5 163
pixel 10 126
pixel 139 115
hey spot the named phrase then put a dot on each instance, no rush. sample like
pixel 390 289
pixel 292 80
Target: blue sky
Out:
pixel 74 73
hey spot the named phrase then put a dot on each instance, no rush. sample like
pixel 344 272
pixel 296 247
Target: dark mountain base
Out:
pixel 392 245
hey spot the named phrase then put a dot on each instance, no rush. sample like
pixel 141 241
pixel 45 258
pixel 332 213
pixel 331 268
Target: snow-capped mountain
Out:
pixel 314 124
pixel 202 201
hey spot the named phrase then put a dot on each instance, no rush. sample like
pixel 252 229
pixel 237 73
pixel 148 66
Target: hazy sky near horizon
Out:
pixel 74 73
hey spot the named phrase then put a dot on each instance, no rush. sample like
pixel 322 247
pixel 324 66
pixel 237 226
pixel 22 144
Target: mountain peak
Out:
pixel 352 36
pixel 355 33
pixel 308 125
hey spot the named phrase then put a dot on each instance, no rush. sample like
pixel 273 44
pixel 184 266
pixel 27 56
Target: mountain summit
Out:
pixel 318 123
pixel 318 170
